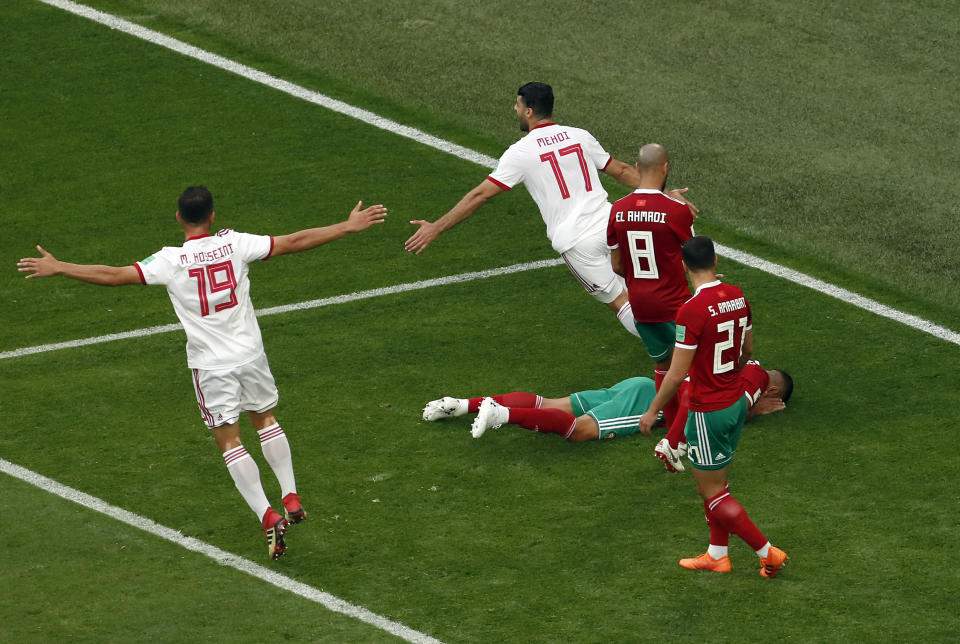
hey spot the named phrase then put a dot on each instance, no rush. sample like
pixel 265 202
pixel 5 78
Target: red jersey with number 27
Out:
pixel 649 228
pixel 714 323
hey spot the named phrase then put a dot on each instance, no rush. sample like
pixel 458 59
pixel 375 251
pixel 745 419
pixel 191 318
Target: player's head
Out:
pixel 781 384
pixel 195 205
pixel 654 162
pixel 698 254
pixel 536 97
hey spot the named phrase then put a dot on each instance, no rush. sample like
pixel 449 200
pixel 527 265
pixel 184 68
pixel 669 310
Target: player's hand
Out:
pixel 767 405
pixel 677 193
pixel 647 421
pixel 427 232
pixel 363 219
pixel 43 266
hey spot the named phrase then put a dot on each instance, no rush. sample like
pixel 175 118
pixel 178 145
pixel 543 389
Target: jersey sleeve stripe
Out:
pixel 499 184
pixel 143 280
pixel 607 164
pixel 686 346
pixel 269 252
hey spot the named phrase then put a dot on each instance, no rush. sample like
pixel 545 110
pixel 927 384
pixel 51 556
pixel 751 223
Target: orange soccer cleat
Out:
pixel 706 562
pixel 773 562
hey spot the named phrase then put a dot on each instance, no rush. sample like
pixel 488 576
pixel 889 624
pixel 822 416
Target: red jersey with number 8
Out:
pixel 649 228
pixel 714 323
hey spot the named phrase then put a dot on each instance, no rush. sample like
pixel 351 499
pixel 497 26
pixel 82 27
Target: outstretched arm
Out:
pixel 468 205
pixel 629 176
pixel 624 173
pixel 312 237
pixel 47 265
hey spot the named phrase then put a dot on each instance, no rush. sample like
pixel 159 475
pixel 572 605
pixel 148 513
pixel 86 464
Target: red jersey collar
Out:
pixel 542 125
pixel 198 237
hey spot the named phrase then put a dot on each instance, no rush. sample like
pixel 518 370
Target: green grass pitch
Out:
pixel 816 135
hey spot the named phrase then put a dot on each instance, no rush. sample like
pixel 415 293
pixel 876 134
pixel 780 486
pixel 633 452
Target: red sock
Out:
pixel 676 433
pixel 718 536
pixel 729 515
pixel 545 421
pixel 670 409
pixel 515 399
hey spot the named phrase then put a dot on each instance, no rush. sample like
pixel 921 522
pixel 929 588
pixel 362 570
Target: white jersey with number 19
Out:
pixel 559 166
pixel 207 281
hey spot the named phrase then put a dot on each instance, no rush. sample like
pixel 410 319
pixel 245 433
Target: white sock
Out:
pixel 625 315
pixel 717 552
pixel 246 476
pixel 463 405
pixel 276 449
pixel 764 551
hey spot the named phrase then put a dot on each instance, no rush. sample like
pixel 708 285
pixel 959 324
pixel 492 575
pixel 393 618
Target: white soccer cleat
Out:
pixel 445 407
pixel 490 416
pixel 672 458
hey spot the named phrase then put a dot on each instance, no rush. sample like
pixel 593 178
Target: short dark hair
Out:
pixel 195 205
pixel 787 385
pixel 538 97
pixel 698 253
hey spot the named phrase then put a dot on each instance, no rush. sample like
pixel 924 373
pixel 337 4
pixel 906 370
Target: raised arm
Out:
pixel 467 205
pixel 47 266
pixel 312 237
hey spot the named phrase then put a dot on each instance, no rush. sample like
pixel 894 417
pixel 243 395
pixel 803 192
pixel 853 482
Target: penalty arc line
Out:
pixel 292 89
pixel 222 557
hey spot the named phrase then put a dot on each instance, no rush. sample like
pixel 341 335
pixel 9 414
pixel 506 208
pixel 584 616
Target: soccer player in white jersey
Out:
pixel 560 167
pixel 206 279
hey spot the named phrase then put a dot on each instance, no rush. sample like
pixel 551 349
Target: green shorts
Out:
pixel 617 410
pixel 658 338
pixel 712 436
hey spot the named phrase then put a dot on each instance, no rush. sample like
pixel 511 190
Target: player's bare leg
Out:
pixel 585 429
pixel 246 476
pixel 276 449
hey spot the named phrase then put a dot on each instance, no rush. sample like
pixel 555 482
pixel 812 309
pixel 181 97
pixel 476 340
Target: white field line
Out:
pixel 258 76
pixel 220 556
pixel 297 306
pixel 225 558
pixel 456 150
pixel 840 293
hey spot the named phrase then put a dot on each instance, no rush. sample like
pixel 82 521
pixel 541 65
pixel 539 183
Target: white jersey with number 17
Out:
pixel 207 282
pixel 559 166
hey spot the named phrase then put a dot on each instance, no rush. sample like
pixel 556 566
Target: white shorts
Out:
pixel 589 261
pixel 222 394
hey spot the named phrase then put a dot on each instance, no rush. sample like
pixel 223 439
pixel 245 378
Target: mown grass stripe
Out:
pixel 222 557
pixel 462 152
pixel 297 306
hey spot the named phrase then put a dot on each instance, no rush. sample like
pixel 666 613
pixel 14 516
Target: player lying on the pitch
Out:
pixel 766 391
pixel 598 413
